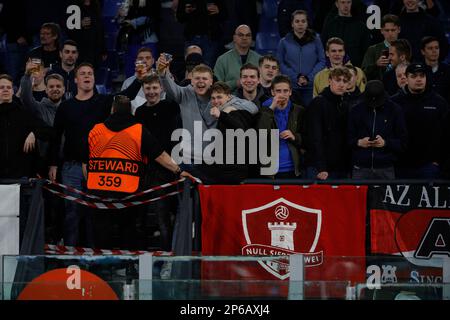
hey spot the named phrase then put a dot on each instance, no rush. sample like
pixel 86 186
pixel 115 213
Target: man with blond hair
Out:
pixel 327 154
pixel 335 51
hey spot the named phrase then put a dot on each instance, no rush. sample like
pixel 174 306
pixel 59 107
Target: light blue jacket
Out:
pixel 295 59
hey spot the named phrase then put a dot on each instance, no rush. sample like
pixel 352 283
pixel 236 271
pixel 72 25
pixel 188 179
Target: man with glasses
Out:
pixel 228 65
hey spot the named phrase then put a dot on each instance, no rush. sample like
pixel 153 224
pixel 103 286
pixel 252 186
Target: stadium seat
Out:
pixel 447 59
pixel 110 8
pixel 368 2
pixel 103 78
pixel 3 47
pixel 101 89
pixel 267 42
pixel 111 40
pixel 269 9
pixel 110 24
pixel 112 61
pixel 268 25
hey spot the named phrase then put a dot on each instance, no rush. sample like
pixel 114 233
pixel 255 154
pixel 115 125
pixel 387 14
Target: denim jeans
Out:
pixel 72 175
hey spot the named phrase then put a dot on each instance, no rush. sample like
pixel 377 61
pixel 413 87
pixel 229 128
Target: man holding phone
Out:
pixel 376 134
pixel 376 60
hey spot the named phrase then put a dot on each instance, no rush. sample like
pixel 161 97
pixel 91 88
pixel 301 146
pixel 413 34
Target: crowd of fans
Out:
pixel 348 102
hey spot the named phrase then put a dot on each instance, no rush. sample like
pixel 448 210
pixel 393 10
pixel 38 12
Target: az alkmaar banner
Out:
pixel 411 222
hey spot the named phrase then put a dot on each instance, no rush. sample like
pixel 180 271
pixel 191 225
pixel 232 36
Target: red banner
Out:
pixel 410 223
pixel 318 221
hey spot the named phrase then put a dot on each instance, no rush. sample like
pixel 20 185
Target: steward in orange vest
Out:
pixel 119 150
pixel 115 161
pixel 116 155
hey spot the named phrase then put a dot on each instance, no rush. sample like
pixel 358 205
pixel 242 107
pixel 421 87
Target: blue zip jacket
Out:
pixel 295 59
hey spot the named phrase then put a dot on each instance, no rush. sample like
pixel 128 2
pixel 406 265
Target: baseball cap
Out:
pixel 415 67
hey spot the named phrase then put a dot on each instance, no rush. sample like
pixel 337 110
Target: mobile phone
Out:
pixel 385 53
pixel 168 56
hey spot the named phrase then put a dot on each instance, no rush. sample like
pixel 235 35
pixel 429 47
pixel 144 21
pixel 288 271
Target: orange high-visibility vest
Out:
pixel 115 160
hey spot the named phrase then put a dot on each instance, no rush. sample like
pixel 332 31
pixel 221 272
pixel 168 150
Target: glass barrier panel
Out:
pixel 236 290
pixel 377 269
pixel 401 291
pixel 67 288
pixel 220 277
pixel 70 272
pixel 238 277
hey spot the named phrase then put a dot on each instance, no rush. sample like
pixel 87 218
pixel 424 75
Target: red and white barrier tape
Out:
pixel 87 195
pixel 106 205
pixel 66 250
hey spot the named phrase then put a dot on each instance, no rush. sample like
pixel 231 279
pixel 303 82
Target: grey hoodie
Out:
pixel 197 109
pixel 44 109
pixel 241 104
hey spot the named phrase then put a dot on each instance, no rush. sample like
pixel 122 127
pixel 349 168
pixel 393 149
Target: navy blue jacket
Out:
pixel 387 121
pixel 424 116
pixel 440 80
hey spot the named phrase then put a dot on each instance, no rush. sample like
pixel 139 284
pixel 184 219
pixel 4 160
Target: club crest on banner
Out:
pixel 282 228
pixel 423 237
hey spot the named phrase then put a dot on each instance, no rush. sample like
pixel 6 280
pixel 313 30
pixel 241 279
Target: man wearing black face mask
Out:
pixel 376 134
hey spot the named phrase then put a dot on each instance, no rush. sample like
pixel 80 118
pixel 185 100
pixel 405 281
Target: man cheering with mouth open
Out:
pixel 194 101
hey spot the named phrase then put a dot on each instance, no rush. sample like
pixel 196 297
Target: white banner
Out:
pixel 9 200
pixel 9 235
pixel 9 219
